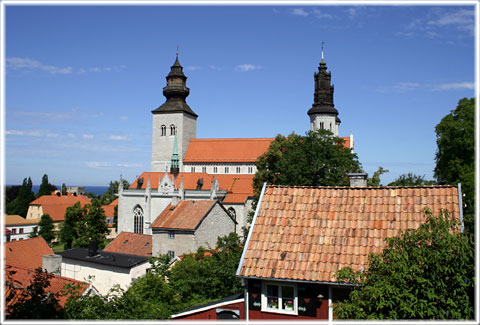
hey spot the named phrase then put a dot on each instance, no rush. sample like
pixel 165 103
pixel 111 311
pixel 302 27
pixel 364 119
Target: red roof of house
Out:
pixel 56 206
pixel 14 220
pixel 109 211
pixel 238 187
pixel 308 233
pixel 24 276
pixel 131 243
pixel 26 253
pixel 185 215
pixel 226 150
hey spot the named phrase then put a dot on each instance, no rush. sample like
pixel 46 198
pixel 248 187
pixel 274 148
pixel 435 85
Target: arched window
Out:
pixel 138 220
pixel 232 212
pixel 163 130
pixel 173 130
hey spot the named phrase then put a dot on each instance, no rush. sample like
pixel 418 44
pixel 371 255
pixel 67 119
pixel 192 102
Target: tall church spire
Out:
pixel 323 114
pixel 176 91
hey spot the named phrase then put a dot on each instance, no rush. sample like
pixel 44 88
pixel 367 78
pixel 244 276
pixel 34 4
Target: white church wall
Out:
pixel 219 168
pixel 329 123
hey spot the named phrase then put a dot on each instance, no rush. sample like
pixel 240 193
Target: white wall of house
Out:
pixel 103 277
pixel 21 232
pixel 34 212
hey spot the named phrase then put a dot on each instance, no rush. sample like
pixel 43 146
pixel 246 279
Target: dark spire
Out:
pixel 176 92
pixel 323 96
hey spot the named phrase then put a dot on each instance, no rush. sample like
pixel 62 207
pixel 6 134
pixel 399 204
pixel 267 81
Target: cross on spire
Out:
pixel 322 50
pixel 177 51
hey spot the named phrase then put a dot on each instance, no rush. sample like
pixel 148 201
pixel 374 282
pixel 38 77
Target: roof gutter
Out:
pixel 251 229
pixel 460 203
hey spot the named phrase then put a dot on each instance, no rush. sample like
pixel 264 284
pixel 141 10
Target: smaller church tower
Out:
pixel 174 123
pixel 323 114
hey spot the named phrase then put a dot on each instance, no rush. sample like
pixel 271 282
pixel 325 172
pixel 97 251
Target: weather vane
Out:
pixel 177 51
pixel 322 50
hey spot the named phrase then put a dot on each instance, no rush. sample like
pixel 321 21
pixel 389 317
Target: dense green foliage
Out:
pixel 19 205
pixel 34 302
pixel 45 187
pixel 455 157
pixel 426 273
pixel 198 278
pixel 46 228
pixel 375 179
pixel 11 192
pixel 109 195
pixel 317 159
pixel 411 179
pixel 83 224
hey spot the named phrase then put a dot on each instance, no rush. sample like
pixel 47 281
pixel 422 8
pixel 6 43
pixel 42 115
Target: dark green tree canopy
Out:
pixel 455 157
pixel 45 188
pixel 20 204
pixel 426 273
pixel 411 179
pixel 46 228
pixel 317 159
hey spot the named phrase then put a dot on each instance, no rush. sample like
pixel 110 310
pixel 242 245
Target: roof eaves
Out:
pixel 251 229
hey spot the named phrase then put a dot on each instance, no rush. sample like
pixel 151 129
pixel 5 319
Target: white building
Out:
pixel 20 228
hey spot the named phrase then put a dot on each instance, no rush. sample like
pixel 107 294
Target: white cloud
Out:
pixel 462 19
pixel 129 165
pixel 87 136
pixel 97 164
pixel 28 133
pixel 455 85
pixel 247 67
pixel 26 63
pixel 124 118
pixel 299 12
pixel 117 137
pixel 192 67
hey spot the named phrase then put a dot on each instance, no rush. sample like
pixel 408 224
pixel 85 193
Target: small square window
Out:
pixel 171 234
pixel 21 230
pixel 204 169
pixel 226 170
pixel 171 254
pixel 250 170
pixel 238 170
pixel 192 169
pixel 215 170
pixel 279 298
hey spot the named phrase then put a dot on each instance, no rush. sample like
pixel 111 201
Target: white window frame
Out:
pixel 279 310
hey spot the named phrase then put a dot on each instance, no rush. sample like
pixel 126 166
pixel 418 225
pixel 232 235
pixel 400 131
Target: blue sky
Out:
pixel 81 81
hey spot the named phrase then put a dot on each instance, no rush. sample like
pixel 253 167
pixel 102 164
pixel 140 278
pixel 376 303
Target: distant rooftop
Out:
pixel 104 258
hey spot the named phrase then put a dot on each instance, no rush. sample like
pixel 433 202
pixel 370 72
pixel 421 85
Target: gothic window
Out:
pixel 138 220
pixel 173 130
pixel 321 125
pixel 232 213
pixel 163 130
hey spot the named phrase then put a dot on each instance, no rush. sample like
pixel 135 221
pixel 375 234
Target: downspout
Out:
pixel 330 304
pixel 460 203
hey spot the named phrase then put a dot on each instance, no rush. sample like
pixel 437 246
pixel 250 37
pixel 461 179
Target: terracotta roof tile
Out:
pixel 226 150
pixel 56 206
pixel 131 243
pixel 24 277
pixel 12 220
pixel 26 253
pixel 324 229
pixel 238 187
pixel 185 215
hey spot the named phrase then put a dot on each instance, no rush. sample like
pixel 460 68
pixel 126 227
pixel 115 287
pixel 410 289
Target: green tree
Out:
pixel 317 159
pixel 91 226
pixel 455 156
pixel 20 204
pixel 375 179
pixel 426 273
pixel 33 302
pixel 46 228
pixel 11 192
pixel 411 179
pixel 69 231
pixel 45 188
pixel 64 189
pixel 109 196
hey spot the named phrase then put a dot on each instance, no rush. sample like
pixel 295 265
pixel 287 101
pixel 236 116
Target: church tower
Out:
pixel 174 123
pixel 323 115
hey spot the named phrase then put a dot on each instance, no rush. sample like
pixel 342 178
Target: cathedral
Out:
pixel 185 170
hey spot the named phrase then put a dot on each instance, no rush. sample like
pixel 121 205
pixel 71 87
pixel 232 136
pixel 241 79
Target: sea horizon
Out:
pixel 97 190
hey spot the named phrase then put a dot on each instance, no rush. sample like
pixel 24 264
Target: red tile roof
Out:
pixel 186 215
pixel 307 233
pixel 131 243
pixel 26 253
pixel 56 206
pixel 13 220
pixel 347 143
pixel 109 211
pixel 238 187
pixel 24 276
pixel 226 150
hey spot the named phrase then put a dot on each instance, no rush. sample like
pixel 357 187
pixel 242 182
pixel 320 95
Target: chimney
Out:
pixel 358 179
pixel 92 248
pixel 175 201
pixel 52 263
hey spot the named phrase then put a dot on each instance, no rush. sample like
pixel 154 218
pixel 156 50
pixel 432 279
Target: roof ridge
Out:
pixel 361 187
pixel 229 139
